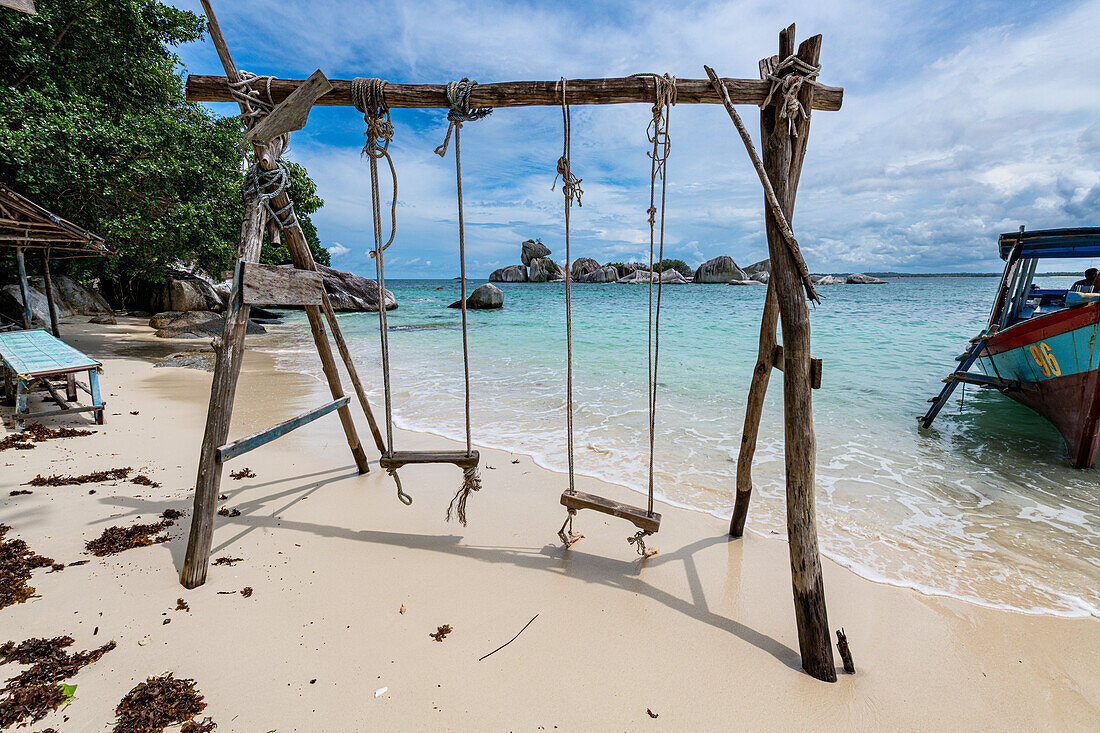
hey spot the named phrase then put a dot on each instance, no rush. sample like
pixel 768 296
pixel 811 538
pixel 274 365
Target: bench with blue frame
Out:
pixel 30 359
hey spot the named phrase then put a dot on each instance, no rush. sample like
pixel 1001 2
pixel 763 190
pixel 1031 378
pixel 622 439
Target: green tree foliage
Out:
pixel 669 264
pixel 94 126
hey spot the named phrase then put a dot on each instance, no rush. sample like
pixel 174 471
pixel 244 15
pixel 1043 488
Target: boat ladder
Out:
pixel 963 375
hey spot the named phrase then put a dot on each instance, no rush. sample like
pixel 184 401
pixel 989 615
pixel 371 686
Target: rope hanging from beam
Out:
pixel 458 99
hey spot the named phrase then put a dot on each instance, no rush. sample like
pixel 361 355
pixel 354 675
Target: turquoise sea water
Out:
pixel 984 506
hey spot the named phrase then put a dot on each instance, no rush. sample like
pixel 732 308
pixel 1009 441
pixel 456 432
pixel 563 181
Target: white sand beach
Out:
pixel 703 634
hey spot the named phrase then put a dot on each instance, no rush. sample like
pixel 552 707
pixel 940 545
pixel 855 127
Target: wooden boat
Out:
pixel 1040 346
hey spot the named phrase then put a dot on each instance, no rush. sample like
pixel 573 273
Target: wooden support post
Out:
pixel 20 401
pixel 761 374
pixel 24 288
pixel 48 285
pixel 228 350
pixel 815 644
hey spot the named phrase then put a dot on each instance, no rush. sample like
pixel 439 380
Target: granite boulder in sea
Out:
pixel 531 251
pixel 827 280
pixel 581 267
pixel 721 269
pixel 757 267
pixel 484 297
pixel 509 274
pixel 858 278
pixel 602 275
pixel 545 270
pixel 673 277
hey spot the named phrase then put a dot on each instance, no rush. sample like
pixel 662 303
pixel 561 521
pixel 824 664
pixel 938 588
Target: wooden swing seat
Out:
pixel 400 458
pixel 639 517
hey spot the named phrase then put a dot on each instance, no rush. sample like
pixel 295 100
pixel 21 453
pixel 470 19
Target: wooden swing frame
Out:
pixel 784 147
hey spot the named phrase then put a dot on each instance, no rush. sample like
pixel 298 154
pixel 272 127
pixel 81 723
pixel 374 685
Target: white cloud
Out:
pixel 337 250
pixel 959 122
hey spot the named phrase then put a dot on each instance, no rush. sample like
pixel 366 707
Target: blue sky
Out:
pixel 960 121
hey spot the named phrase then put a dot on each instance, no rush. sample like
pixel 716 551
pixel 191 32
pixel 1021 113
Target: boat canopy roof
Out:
pixel 1083 242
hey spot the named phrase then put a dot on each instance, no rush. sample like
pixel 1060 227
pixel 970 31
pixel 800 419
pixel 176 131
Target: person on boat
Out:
pixel 1088 285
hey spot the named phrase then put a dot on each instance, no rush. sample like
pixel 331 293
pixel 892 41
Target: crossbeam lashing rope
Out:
pixel 458 99
pixel 265 184
pixel 787 79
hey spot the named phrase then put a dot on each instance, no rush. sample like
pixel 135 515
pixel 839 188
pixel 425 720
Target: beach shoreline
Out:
pixel 703 634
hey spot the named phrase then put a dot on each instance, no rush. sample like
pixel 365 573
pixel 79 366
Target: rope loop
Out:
pixel 401 495
pixel 267 185
pixel 458 99
pixel 369 97
pixel 566 533
pixel 787 79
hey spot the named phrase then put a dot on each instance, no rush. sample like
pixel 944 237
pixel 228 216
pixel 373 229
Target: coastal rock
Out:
pixel 350 292
pixel 761 266
pixel 509 274
pixel 194 324
pixel 829 280
pixel 104 320
pixel 531 251
pixel 186 292
pixel 602 275
pixel 721 269
pixel 638 276
pixel 626 268
pixel 484 297
pixel 761 277
pixel 79 299
pixel 673 277
pixel 545 270
pixel 40 313
pixel 581 267
pixel 858 278
pixel 750 281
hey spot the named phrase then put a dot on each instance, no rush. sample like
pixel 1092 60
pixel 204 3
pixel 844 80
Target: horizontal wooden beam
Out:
pixel 251 442
pixel 291 114
pixel 639 517
pixel 631 89
pixel 399 458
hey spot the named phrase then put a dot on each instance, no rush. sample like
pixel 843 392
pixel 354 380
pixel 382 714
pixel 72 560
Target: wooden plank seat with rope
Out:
pixel 640 518
pixel 399 458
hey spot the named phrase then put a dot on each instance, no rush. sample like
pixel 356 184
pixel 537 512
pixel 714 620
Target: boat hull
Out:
pixel 1056 360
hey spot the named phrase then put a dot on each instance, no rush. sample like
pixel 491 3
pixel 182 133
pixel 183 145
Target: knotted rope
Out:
pixel 368 96
pixel 638 540
pixel 787 78
pixel 657 132
pixel 269 184
pixel 458 99
pixel 570 190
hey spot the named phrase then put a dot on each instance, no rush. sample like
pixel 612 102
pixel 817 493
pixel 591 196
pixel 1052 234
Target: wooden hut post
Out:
pixel 24 288
pixel 815 644
pixel 48 284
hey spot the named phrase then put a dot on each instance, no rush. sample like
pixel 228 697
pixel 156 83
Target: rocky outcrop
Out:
pixel 104 320
pixel 193 324
pixel 69 298
pixel 602 275
pixel 761 266
pixel 673 277
pixel 627 268
pixel 749 281
pixel 545 270
pixel 533 250
pixel 350 292
pixel 827 280
pixel 721 269
pixel 187 293
pixel 639 276
pixel 858 278
pixel 581 267
pixel 760 277
pixel 484 297
pixel 509 274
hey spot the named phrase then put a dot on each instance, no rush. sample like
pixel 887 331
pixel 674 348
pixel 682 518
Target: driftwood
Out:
pixel 845 652
pixel 631 89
